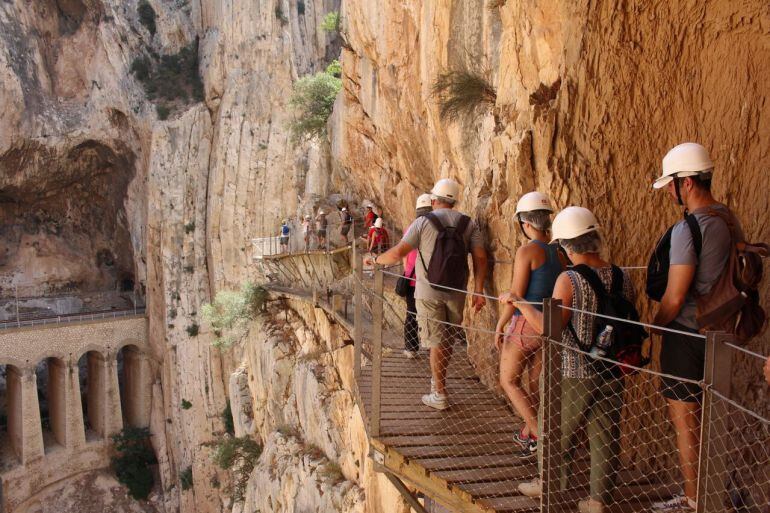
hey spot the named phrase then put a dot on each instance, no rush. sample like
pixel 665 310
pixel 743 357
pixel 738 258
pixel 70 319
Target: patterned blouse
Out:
pixel 574 364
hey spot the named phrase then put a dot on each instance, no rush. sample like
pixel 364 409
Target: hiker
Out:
pixel 321 224
pixel 687 173
pixel 378 237
pixel 369 217
pixel 307 231
pixel 346 221
pixel 589 395
pixel 284 236
pixel 443 239
pixel 535 268
pixel 411 335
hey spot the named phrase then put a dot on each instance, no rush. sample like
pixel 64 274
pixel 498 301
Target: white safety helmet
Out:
pixel 686 159
pixel 344 209
pixel 532 201
pixel 423 200
pixel 378 223
pixel 573 222
pixel 321 213
pixel 446 188
pixel 307 216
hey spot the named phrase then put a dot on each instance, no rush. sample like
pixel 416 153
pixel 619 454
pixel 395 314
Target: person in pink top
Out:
pixel 411 338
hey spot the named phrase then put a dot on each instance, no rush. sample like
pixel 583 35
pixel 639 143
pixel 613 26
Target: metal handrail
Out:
pixel 71 318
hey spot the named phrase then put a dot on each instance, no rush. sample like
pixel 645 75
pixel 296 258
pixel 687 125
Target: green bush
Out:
pixel 133 454
pixel 163 112
pixel 239 455
pixel 188 269
pixel 334 69
pixel 186 478
pixel 186 405
pixel 230 312
pixel 461 94
pixel 280 15
pixel 189 227
pixel 227 419
pixel 192 330
pixel 147 16
pixel 331 22
pixel 141 68
pixel 312 99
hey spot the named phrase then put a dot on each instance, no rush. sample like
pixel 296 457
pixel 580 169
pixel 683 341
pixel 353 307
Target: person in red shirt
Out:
pixel 378 238
pixel 370 217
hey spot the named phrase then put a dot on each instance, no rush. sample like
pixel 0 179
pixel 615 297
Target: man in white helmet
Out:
pixel 697 258
pixel 443 239
pixel 346 221
pixel 321 224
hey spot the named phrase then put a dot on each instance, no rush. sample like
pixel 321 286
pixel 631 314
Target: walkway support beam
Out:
pixel 550 473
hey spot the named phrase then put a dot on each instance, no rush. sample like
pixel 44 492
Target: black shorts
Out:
pixel 682 356
pixel 345 229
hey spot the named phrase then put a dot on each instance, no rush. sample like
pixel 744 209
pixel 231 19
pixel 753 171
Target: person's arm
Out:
pixel 508 310
pixel 519 283
pixel 479 257
pixel 394 254
pixel 562 290
pixel 679 281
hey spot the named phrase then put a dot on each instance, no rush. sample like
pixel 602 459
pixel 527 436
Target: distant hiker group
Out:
pixel 702 272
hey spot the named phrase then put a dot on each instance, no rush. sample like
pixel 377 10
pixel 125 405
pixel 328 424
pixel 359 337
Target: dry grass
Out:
pixel 461 94
pixel 495 4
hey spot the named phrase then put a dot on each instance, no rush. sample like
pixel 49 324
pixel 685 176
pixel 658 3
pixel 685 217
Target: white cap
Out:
pixel 573 222
pixel 446 188
pixel 423 200
pixel 686 159
pixel 307 216
pixel 532 201
pixel 321 213
pixel 344 209
pixel 378 222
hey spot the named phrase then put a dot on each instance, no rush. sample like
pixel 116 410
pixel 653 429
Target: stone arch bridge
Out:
pixel 64 390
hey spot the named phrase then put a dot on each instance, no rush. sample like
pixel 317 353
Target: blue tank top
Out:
pixel 542 279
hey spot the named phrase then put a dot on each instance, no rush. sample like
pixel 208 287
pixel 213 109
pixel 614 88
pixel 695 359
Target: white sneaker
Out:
pixel 590 506
pixel 410 354
pixel 679 502
pixel 435 400
pixel 532 488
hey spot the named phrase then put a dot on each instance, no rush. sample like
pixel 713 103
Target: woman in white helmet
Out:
pixel 378 238
pixel 535 270
pixel 587 395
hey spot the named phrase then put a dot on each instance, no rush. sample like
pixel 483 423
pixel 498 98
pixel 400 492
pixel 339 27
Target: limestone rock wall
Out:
pixel 589 98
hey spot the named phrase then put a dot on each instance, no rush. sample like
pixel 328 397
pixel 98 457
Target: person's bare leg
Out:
pixel 439 361
pixel 535 364
pixel 512 363
pixel 686 419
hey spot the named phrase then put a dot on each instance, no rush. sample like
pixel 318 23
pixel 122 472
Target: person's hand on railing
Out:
pixel 478 302
pixel 508 298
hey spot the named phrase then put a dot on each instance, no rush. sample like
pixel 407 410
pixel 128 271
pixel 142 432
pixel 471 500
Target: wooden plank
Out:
pixel 520 472
pixel 454 413
pixel 450 449
pixel 408 441
pixel 517 503
pixel 432 427
pixel 480 409
pixel 466 462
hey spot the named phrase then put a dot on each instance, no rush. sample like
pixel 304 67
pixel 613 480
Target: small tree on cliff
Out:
pixel 312 99
pixel 230 312
pixel 133 454
pixel 461 94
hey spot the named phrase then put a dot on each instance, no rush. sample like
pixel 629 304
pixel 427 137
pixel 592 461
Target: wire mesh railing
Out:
pixel 622 441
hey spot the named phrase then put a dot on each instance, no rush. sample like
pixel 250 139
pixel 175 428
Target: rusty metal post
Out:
pixel 358 312
pixel 715 419
pixel 377 305
pixel 552 458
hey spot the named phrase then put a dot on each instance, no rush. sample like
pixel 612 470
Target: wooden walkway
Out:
pixel 463 457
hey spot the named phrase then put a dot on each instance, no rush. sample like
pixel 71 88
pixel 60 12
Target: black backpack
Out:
pixel 660 260
pixel 448 266
pixel 627 338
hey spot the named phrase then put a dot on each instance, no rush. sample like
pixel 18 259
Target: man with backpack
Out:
pixel 443 239
pixel 698 249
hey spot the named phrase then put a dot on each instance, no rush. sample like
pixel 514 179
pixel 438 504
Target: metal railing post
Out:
pixel 550 472
pixel 376 350
pixel 358 312
pixel 712 467
pixel 16 294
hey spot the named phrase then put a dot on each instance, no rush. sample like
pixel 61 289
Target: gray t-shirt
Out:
pixel 422 235
pixel 715 251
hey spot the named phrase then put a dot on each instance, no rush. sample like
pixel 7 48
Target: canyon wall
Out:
pixel 590 96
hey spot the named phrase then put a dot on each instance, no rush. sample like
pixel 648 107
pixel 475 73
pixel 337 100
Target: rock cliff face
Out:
pixel 589 98
pixel 96 191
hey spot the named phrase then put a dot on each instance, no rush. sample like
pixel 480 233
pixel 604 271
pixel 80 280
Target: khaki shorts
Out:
pixel 432 313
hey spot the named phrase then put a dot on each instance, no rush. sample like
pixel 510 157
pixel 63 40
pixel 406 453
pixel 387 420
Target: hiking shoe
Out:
pixel 679 502
pixel 532 446
pixel 435 400
pixel 411 355
pixel 532 488
pixel 520 439
pixel 590 506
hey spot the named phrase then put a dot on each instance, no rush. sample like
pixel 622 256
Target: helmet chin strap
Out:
pixel 678 192
pixel 521 226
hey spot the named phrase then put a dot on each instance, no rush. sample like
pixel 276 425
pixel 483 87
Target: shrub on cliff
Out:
pixel 461 94
pixel 331 22
pixel 312 99
pixel 239 455
pixel 230 312
pixel 147 16
pixel 133 454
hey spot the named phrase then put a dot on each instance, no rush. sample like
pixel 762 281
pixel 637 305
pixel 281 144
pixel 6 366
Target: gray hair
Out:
pixel 539 219
pixel 446 201
pixel 589 242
